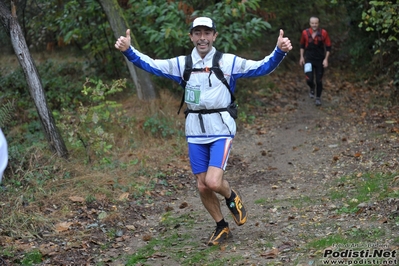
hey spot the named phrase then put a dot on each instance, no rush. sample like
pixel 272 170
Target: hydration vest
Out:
pixel 214 69
pixel 318 36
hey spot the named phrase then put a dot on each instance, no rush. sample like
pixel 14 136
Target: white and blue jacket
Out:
pixel 212 93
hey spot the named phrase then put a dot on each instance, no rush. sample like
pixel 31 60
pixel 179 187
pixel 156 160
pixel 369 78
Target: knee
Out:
pixel 201 184
pixel 213 184
pixel 208 186
pixel 202 188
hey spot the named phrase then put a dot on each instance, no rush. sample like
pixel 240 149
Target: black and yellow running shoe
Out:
pixel 220 235
pixel 237 210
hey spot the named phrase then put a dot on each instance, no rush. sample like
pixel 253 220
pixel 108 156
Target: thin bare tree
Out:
pixel 8 18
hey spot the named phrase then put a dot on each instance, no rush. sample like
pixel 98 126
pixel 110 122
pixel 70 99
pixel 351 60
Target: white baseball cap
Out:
pixel 203 21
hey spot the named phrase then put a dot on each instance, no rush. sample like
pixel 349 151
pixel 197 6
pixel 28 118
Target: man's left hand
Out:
pixel 283 42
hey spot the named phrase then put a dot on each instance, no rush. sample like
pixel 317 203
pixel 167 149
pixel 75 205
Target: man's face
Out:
pixel 203 38
pixel 314 23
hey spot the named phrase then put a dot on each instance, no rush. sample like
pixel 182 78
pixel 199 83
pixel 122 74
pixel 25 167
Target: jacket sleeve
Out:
pixel 243 68
pixel 167 68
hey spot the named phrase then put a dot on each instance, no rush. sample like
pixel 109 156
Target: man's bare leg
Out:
pixel 209 184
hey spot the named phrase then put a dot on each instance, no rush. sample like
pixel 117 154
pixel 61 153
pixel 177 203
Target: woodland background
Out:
pixel 364 36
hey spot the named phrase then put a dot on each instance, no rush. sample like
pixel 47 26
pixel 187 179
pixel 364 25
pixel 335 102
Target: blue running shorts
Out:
pixel 211 154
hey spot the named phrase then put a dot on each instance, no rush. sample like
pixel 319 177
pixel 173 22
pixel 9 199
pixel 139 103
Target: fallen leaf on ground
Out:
pixel 131 227
pixel 270 254
pixel 147 237
pixel 77 199
pixel 124 196
pixel 183 205
pixel 64 226
pixel 47 249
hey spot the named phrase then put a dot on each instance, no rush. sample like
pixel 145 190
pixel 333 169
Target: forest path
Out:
pixel 285 168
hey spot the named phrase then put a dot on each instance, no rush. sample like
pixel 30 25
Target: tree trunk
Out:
pixel 142 80
pixel 10 23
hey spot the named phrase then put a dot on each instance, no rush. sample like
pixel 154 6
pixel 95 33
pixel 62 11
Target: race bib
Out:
pixel 193 95
pixel 307 67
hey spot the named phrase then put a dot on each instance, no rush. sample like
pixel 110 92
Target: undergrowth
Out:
pixel 108 145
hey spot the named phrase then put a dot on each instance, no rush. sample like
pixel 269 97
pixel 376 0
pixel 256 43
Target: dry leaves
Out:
pixel 183 205
pixel 61 227
pixel 124 196
pixel 131 227
pixel 271 254
pixel 76 199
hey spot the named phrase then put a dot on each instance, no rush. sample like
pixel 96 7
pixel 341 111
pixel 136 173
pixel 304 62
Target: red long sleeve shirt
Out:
pixel 316 47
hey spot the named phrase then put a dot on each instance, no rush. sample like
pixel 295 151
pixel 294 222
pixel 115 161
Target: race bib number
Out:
pixel 192 95
pixel 307 67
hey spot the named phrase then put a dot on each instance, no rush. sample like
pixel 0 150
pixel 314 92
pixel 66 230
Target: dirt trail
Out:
pixel 283 169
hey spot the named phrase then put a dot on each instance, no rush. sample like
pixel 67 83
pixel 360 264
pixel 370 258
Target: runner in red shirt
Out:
pixel 315 47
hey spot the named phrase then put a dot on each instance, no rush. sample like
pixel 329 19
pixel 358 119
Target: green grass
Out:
pixel 182 248
pixel 347 192
pixel 261 201
pixel 354 239
pixel 327 241
pixel 32 258
pixel 351 236
pixel 353 190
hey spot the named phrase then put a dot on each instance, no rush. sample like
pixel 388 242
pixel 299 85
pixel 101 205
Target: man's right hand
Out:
pixel 301 61
pixel 123 43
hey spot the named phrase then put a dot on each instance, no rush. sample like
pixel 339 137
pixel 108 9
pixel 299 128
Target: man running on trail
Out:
pixel 210 127
pixel 315 47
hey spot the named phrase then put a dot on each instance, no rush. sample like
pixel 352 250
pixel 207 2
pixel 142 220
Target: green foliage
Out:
pixel 159 28
pixel 245 116
pixel 6 113
pixel 383 18
pixel 356 43
pixel 87 126
pixel 32 258
pixel 161 127
pixel 373 35
pixel 61 83
pixel 237 26
pixel 81 24
pixel 293 16
pixel 59 92
pixel 162 27
pixel 14 85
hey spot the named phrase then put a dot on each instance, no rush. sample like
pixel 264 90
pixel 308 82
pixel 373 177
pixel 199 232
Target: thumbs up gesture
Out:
pixel 283 42
pixel 123 42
